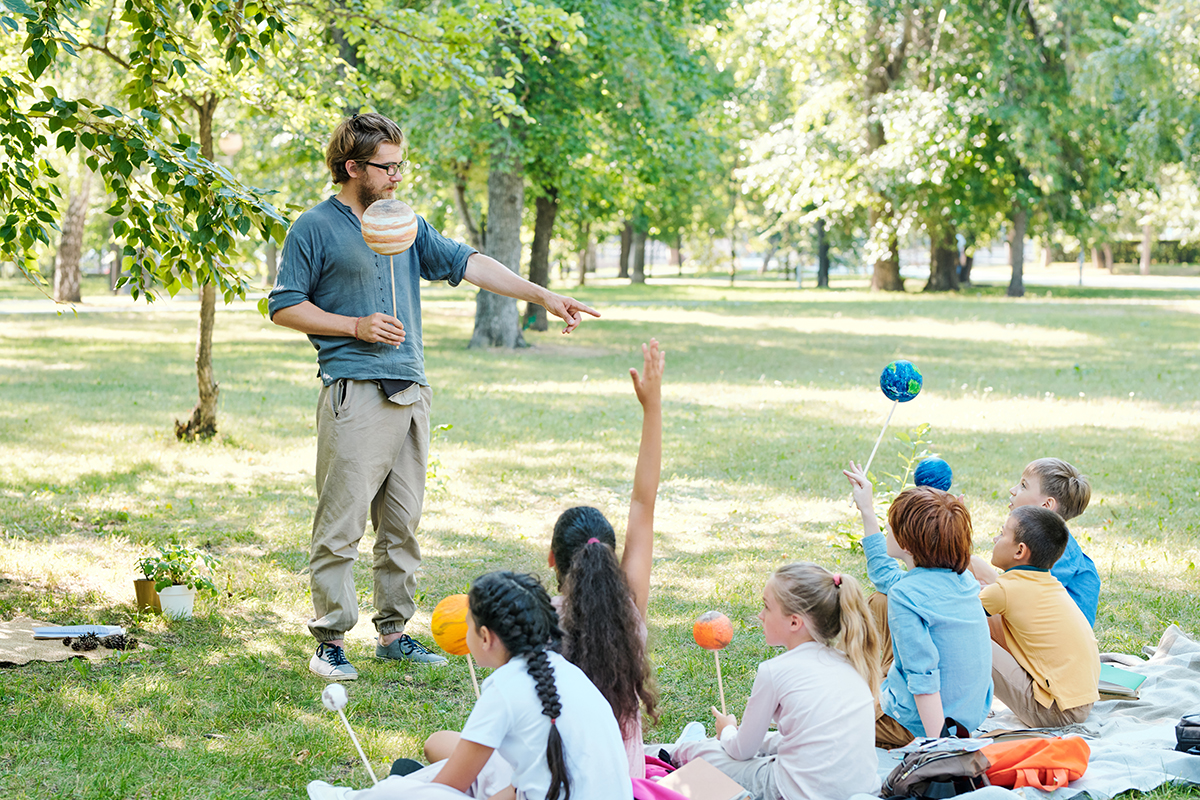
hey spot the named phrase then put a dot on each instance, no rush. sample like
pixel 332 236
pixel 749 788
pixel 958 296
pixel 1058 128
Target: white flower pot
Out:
pixel 177 601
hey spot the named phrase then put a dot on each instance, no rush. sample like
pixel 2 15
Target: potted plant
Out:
pixel 143 587
pixel 179 572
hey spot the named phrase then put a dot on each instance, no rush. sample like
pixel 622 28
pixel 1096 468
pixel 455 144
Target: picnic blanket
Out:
pixel 1132 741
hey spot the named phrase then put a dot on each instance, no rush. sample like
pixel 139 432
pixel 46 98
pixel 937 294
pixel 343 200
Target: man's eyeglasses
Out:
pixel 393 168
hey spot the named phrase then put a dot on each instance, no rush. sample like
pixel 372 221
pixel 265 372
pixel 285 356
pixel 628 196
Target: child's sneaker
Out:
pixel 692 732
pixel 320 790
pixel 331 664
pixel 408 649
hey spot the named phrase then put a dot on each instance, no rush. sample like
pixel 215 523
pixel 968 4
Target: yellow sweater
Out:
pixel 1048 636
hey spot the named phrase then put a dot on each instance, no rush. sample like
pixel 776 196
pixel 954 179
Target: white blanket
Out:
pixel 1132 741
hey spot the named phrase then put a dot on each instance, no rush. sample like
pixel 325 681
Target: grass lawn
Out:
pixel 769 392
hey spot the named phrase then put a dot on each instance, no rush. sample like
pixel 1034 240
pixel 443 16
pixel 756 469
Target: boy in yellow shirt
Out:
pixel 1045 661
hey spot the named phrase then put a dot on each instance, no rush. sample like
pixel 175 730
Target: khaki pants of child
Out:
pixel 371 459
pixel 1014 687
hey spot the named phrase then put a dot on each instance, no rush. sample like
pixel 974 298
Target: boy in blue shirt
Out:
pixel 1054 484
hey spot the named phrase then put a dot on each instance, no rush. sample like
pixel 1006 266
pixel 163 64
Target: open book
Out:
pixel 1119 684
pixel 63 631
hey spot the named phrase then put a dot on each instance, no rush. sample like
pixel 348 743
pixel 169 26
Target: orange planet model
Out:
pixel 449 625
pixel 713 631
pixel 389 227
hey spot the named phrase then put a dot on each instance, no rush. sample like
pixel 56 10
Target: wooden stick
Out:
pixel 720 683
pixel 880 438
pixel 392 269
pixel 474 680
pixel 358 746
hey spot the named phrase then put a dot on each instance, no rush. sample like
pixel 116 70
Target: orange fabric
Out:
pixel 1045 764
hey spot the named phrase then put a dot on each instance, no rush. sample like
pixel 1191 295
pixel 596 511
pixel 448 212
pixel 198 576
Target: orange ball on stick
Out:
pixel 449 629
pixel 713 631
pixel 449 625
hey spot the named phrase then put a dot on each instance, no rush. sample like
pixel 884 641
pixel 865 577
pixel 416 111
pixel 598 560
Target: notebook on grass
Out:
pixel 700 780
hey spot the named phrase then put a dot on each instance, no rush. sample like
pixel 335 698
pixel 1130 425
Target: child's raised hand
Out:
pixel 648 383
pixel 723 720
pixel 861 488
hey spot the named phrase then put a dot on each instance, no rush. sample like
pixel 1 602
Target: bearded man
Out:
pixel 373 411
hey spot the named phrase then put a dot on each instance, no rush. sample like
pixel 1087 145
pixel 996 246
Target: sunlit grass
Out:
pixel 769 392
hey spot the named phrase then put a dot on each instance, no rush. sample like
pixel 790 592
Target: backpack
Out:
pixel 1187 735
pixel 1045 764
pixel 937 770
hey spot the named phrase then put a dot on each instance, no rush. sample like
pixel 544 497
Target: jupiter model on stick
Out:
pixel 713 631
pixel 389 227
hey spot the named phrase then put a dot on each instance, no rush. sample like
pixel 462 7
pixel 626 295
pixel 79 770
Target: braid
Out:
pixel 517 609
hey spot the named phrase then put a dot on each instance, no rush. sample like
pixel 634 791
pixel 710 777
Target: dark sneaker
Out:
pixel 406 766
pixel 408 649
pixel 331 664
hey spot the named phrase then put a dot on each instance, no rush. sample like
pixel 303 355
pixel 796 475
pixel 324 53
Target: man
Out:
pixel 373 411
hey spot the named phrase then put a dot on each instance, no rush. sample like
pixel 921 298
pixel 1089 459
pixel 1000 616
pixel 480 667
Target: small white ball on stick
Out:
pixel 334 697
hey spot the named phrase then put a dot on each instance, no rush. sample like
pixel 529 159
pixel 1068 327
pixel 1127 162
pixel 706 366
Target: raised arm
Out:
pixel 488 273
pixel 638 555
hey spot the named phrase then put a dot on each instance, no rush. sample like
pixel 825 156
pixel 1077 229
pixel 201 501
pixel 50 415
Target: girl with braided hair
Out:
pixel 538 717
pixel 820 693
pixel 603 602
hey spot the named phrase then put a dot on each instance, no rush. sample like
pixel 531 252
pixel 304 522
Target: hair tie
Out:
pixel 553 720
pixel 593 540
pixel 837 579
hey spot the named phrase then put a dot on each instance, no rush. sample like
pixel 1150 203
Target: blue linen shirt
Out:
pixel 326 262
pixel 940 640
pixel 1078 575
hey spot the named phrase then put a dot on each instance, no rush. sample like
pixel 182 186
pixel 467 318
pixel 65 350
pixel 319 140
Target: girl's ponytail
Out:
pixel 860 637
pixel 602 627
pixel 837 613
pixel 517 609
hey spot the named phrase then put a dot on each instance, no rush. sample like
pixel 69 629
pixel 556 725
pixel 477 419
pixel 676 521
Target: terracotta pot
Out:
pixel 147 598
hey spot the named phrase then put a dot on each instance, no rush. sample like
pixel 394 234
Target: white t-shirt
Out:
pixel 508 717
pixel 826 720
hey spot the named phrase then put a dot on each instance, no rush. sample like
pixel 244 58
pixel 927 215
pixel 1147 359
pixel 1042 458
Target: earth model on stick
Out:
pixel 901 381
pixel 389 227
pixel 934 472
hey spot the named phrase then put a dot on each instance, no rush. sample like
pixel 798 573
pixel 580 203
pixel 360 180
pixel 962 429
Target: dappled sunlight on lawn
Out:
pixel 914 327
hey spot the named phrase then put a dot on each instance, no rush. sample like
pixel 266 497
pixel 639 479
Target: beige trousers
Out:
pixel 1014 686
pixel 889 733
pixel 371 459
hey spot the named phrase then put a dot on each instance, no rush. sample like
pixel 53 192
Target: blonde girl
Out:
pixel 820 693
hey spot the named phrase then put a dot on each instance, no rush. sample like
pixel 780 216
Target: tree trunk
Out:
pixel 1097 258
pixel 497 323
pixel 591 256
pixel 964 272
pixel 475 236
pixel 272 259
pixel 1016 252
pixel 943 261
pixel 66 262
pixel 585 252
pixel 638 269
pixel 1147 248
pixel 677 253
pixel 539 255
pixel 762 268
pixel 203 422
pixel 822 258
pixel 888 54
pixel 626 246
pixel 1108 256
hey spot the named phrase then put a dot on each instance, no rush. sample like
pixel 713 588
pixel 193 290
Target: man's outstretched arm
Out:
pixel 488 273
